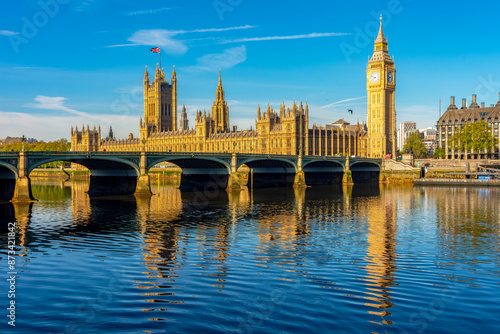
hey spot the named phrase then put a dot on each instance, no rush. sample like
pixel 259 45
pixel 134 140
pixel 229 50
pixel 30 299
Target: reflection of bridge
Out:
pixel 125 173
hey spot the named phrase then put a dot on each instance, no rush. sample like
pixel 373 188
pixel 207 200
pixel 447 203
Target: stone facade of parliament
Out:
pixel 284 131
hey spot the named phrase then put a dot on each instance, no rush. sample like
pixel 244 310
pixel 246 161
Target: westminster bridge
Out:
pixel 126 173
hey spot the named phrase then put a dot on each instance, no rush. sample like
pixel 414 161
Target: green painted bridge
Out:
pixel 126 173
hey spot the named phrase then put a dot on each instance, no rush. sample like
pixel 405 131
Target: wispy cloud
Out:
pixel 148 11
pixel 213 29
pixel 343 101
pixel 53 103
pixel 166 38
pixel 228 58
pixel 8 33
pixel 274 38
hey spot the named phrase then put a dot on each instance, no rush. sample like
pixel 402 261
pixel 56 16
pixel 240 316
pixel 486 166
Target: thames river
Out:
pixel 357 259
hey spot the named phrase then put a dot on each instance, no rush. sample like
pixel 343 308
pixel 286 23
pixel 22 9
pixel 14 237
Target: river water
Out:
pixel 362 259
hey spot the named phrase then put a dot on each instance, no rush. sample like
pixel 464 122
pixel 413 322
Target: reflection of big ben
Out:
pixel 381 85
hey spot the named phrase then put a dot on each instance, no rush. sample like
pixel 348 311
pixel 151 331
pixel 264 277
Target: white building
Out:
pixel 403 132
pixel 429 137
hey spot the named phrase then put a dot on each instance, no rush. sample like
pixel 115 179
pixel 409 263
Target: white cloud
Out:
pixel 148 11
pixel 215 61
pixel 53 103
pixel 8 33
pixel 344 101
pixel 274 38
pixel 43 127
pixel 166 38
pixel 155 37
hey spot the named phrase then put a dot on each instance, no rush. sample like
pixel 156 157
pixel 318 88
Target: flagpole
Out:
pixel 160 57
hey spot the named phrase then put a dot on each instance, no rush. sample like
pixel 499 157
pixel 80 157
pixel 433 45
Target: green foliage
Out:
pixel 475 137
pixel 61 145
pixel 415 144
pixel 440 152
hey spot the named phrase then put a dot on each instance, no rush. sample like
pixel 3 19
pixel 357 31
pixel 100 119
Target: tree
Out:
pixel 439 152
pixel 61 145
pixel 415 144
pixel 473 137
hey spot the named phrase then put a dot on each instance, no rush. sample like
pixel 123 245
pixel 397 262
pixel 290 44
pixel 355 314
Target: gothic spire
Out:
pixel 381 50
pixel 381 37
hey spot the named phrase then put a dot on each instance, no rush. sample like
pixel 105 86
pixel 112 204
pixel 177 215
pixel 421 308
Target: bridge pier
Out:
pixel 300 176
pixel 22 190
pixel 347 177
pixel 143 187
pixel 233 183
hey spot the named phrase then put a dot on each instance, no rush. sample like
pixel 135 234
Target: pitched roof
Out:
pixel 472 114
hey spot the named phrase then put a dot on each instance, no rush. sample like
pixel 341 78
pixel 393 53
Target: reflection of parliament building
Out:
pixel 283 131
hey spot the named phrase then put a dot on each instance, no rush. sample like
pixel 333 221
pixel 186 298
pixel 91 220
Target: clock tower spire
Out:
pixel 381 86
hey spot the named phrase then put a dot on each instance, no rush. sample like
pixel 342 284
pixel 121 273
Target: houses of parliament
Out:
pixel 284 131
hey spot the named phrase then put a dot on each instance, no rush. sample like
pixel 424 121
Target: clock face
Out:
pixel 375 77
pixel 390 77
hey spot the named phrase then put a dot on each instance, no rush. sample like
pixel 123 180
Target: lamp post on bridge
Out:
pixel 23 139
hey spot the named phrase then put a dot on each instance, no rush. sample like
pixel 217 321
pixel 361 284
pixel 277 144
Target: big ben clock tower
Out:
pixel 380 86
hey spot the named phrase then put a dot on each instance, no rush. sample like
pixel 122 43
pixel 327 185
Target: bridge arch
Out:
pixel 109 175
pixel 268 163
pixel 193 162
pixel 365 171
pixel 6 169
pixel 198 173
pixel 323 172
pixel 269 172
pixel 93 163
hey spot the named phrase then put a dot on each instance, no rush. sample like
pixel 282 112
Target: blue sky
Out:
pixel 68 62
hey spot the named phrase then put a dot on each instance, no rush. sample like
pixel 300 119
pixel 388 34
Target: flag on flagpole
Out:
pixel 155 50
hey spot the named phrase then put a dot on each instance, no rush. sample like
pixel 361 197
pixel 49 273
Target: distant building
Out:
pixel 11 140
pixel 184 119
pixel 429 136
pixel 403 132
pixel 455 118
